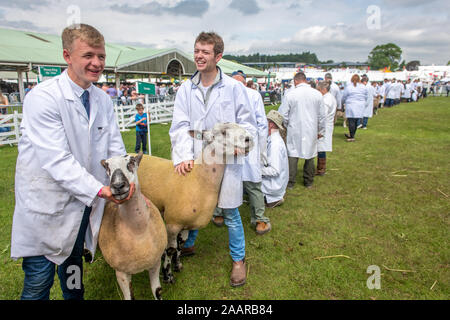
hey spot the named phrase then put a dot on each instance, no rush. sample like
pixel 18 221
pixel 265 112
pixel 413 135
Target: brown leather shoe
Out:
pixel 321 166
pixel 238 273
pixel 263 227
pixel 186 252
pixel 218 221
pixel 275 203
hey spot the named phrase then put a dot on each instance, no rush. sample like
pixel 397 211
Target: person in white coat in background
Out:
pixel 325 143
pixel 355 98
pixel 303 111
pixel 334 91
pixel 210 97
pixel 275 174
pixel 68 127
pixel 368 110
pixel 251 172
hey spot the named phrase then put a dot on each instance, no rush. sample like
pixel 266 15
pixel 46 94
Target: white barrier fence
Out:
pixel 9 128
pixel 160 112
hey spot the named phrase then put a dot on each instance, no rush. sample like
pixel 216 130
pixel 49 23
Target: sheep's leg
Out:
pixel 181 239
pixel 171 251
pixel 124 281
pixel 154 281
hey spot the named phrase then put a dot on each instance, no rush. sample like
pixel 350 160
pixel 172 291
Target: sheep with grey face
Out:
pixel 132 235
pixel 188 202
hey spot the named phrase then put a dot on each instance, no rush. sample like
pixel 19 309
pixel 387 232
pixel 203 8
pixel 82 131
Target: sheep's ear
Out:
pixel 103 163
pixel 138 158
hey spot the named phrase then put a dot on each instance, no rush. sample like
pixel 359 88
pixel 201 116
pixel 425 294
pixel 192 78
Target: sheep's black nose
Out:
pixel 119 185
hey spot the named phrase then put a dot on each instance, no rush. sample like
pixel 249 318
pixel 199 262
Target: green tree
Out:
pixel 385 55
pixel 413 65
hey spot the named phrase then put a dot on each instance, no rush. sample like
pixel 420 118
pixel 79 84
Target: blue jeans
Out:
pixel 40 272
pixel 365 121
pixel 236 237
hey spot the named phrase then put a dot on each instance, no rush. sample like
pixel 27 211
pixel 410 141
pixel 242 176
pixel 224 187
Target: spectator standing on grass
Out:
pixel 325 143
pixel 368 110
pixel 354 98
pixel 208 98
pixel 3 102
pixel 141 129
pixel 275 174
pixel 303 111
pixel 334 91
pixel 251 171
pixel 68 127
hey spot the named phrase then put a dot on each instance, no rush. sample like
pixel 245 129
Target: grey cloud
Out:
pixel 247 7
pixel 23 4
pixel 191 8
pixel 20 24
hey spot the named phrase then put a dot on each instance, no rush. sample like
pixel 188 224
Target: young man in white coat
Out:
pixel 68 127
pixel 303 111
pixel 251 172
pixel 276 172
pixel 209 97
pixel 325 143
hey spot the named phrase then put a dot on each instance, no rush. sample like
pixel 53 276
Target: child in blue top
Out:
pixel 141 129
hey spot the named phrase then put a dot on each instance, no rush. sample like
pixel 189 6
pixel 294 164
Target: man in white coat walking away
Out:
pixel 68 127
pixel 209 97
pixel 325 143
pixel 251 173
pixel 276 172
pixel 303 111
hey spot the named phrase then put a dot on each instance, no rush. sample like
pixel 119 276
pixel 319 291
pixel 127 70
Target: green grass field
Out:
pixel 384 201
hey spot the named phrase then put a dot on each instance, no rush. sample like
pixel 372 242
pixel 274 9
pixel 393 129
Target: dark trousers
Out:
pixel 141 138
pixel 40 272
pixel 352 126
pixel 308 171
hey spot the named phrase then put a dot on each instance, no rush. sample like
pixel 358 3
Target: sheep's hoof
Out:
pixel 169 279
pixel 178 267
pixel 158 293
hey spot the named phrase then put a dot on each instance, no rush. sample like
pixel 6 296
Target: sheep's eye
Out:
pixel 130 165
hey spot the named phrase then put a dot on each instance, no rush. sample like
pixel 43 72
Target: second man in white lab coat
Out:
pixel 210 97
pixel 303 111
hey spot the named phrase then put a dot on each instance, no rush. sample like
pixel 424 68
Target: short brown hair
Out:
pixel 83 32
pixel 139 106
pixel 212 38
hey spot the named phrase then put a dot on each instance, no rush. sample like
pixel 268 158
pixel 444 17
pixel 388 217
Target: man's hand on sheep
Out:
pixel 184 167
pixel 107 194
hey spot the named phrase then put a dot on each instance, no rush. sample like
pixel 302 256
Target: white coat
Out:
pixel 228 102
pixel 252 164
pixel 368 110
pixel 337 94
pixel 58 171
pixel 391 92
pixel 303 111
pixel 276 173
pixel 325 143
pixel 355 99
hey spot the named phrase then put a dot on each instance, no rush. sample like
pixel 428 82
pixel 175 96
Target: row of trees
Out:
pixel 305 57
pixel 382 56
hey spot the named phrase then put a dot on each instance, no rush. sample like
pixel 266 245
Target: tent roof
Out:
pixel 22 48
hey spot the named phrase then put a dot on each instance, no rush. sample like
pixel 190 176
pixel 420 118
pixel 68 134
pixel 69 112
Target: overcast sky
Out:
pixel 334 30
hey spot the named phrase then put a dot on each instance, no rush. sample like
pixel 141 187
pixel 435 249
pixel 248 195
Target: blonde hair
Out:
pixel 83 32
pixel 355 79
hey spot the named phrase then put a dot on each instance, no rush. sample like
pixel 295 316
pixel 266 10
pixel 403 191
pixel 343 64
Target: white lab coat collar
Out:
pixel 303 85
pixel 71 90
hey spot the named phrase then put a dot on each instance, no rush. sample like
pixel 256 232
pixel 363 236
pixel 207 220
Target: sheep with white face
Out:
pixel 188 202
pixel 132 235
